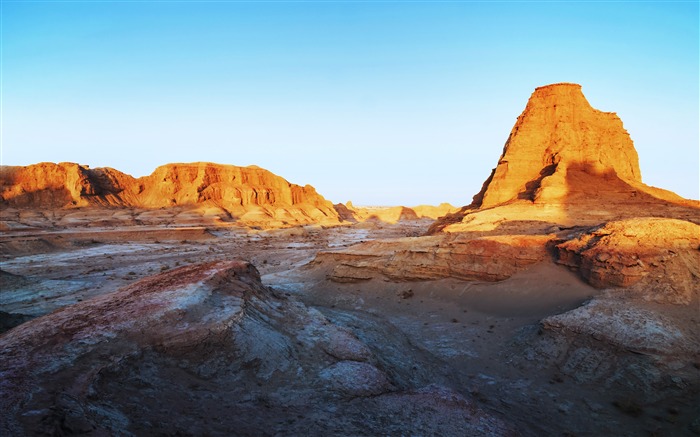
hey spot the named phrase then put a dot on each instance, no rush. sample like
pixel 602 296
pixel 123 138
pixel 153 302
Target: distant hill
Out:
pixel 249 194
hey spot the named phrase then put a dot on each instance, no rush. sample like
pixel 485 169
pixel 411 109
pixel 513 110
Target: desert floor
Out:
pixel 473 333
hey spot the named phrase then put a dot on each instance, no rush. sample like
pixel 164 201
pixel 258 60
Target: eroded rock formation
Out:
pixel 52 185
pixel 392 214
pixel 566 163
pixel 558 129
pixel 490 258
pixel 659 259
pixel 568 183
pixel 249 194
pixel 210 339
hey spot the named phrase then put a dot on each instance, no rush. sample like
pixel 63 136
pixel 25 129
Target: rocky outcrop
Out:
pixel 628 326
pixel 491 258
pixel 567 164
pixel 434 212
pixel 210 339
pixel 658 258
pixel 247 194
pixel 52 185
pixel 642 354
pixel 558 129
pixel 652 258
pixel 228 186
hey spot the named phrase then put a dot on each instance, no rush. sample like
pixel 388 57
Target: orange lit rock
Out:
pixel 565 164
pixel 250 192
pixel 657 258
pixel 52 185
pixel 392 214
pixel 230 186
pixel 557 129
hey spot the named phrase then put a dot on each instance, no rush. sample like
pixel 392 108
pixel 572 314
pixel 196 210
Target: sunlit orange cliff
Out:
pixel 566 163
pixel 244 193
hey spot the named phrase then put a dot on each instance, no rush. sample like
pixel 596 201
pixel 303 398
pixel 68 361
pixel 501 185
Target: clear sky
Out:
pixel 377 102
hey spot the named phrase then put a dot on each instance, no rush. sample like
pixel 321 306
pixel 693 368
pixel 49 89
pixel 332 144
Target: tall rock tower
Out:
pixel 558 130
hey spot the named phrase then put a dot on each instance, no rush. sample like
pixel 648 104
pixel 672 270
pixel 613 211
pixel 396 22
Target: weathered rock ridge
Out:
pixel 210 339
pixel 657 259
pixel 489 258
pixel 242 193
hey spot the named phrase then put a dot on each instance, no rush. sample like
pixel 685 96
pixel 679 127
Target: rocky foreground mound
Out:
pixel 207 349
pixel 229 193
pixel 657 259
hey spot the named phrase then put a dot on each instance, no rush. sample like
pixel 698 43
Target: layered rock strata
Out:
pixel 392 214
pixel 658 259
pixel 247 194
pixel 558 129
pixel 566 163
pixel 464 257
pixel 211 339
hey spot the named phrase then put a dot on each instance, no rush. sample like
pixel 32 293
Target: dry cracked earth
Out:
pixel 229 331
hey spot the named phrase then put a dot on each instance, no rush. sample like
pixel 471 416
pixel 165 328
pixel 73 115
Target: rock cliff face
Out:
pixel 248 193
pixel 657 259
pixel 566 170
pixel 229 186
pixel 558 129
pixel 435 257
pixel 568 164
pixel 52 185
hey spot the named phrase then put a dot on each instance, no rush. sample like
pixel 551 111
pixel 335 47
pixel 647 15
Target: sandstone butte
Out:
pixel 565 162
pixel 567 178
pixel 242 193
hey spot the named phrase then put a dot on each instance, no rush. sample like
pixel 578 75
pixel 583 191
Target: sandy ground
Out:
pixel 57 267
pixel 471 328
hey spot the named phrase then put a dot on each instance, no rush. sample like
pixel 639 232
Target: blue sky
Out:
pixel 375 102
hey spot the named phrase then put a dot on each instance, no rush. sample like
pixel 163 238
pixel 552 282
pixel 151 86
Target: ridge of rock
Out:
pixel 53 185
pixel 655 258
pixel 248 193
pixel 392 214
pixel 210 339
